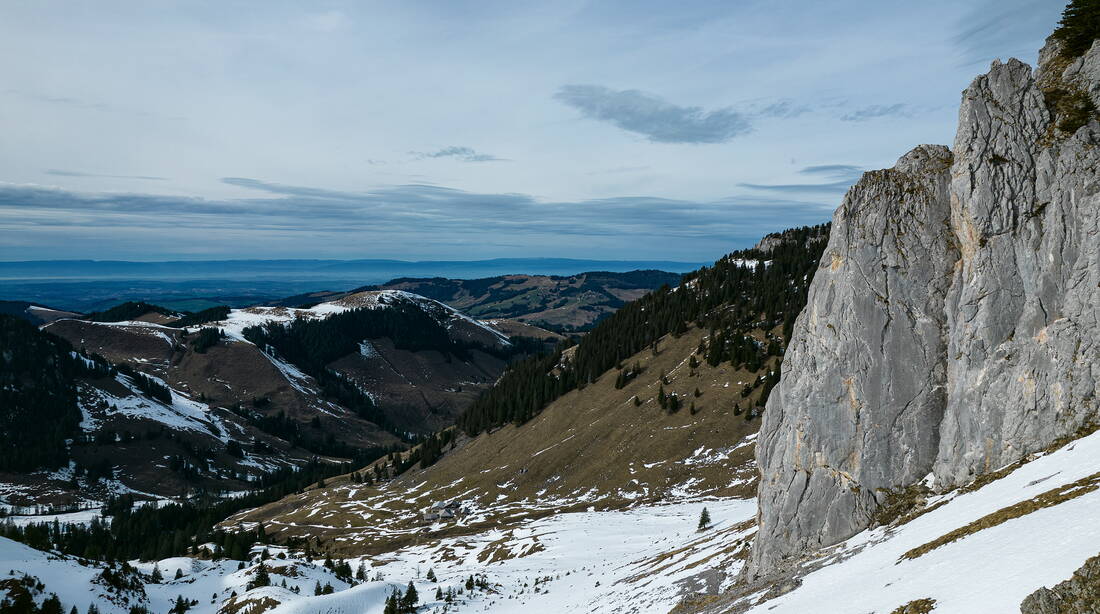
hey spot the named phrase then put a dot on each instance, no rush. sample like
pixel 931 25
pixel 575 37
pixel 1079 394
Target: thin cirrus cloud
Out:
pixel 457 152
pixel 876 111
pixel 841 177
pixel 834 171
pixel 654 118
pixel 1002 28
pixel 64 173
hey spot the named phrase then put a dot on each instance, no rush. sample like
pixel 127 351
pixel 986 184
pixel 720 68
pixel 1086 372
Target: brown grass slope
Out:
pixel 591 448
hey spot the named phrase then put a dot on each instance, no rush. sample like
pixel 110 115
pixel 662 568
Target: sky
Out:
pixel 455 130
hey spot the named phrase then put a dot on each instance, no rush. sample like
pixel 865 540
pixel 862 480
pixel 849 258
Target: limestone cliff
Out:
pixel 952 324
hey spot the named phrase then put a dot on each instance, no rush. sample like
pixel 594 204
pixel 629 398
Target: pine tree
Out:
pixel 439 593
pixel 260 579
pixel 156 577
pixel 704 520
pixel 179 574
pixel 180 606
pixel 52 605
pixel 391 604
pixel 411 598
pixel 431 575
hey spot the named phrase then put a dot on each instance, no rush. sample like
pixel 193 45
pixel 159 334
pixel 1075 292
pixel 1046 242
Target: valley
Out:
pixel 894 412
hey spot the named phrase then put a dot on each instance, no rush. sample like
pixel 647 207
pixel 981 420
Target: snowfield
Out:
pixel 988 571
pixel 635 560
pixel 648 557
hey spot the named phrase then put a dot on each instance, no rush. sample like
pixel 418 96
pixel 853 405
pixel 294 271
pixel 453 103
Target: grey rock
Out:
pixel 1022 309
pixel 952 326
pixel 863 386
pixel 1078 595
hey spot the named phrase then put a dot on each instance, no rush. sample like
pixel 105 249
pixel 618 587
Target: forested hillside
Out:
pixel 38 405
pixel 763 288
pixel 565 304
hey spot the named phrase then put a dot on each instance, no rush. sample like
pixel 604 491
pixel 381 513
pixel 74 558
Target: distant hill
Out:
pixel 560 303
pixel 92 285
pixel 33 312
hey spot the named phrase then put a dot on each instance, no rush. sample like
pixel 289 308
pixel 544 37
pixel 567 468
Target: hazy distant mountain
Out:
pixel 89 285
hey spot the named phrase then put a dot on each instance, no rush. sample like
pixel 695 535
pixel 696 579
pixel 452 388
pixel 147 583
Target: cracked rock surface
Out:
pixel 952 325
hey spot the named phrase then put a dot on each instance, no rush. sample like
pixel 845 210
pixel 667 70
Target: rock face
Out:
pixel 1078 595
pixel 952 324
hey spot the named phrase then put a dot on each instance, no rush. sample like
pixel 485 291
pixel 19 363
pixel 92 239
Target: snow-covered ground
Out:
pixel 646 558
pixel 600 562
pixel 987 571
pixel 183 413
pixel 632 560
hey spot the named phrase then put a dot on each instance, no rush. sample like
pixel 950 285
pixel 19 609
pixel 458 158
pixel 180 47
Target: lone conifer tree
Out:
pixel 704 520
pixel 261 579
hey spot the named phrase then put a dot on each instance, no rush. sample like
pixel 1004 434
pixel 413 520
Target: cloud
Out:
pixel 834 171
pixel 784 109
pixel 64 173
pixel 465 154
pixel 652 117
pixel 404 220
pixel 801 188
pixel 876 111
pixel 831 169
pixel 840 176
pixel 1003 28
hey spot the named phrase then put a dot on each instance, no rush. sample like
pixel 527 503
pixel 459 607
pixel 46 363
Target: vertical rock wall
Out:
pixel 952 326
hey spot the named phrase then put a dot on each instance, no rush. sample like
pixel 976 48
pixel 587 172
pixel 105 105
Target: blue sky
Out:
pixel 459 130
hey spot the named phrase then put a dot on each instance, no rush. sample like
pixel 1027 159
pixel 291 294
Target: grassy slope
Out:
pixel 592 447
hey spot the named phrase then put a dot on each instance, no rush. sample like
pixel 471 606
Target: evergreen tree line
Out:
pixel 213 314
pixel 728 298
pixel 150 532
pixel 38 404
pixel 312 344
pixel 206 338
pixel 123 312
pixel 145 384
pixel 132 310
pixel 293 432
pixel 1079 27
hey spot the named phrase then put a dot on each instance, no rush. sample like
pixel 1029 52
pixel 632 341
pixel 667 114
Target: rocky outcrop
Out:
pixel 1078 595
pixel 952 324
pixel 863 387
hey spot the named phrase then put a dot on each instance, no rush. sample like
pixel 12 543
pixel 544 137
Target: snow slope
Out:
pixel 647 558
pixel 991 570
